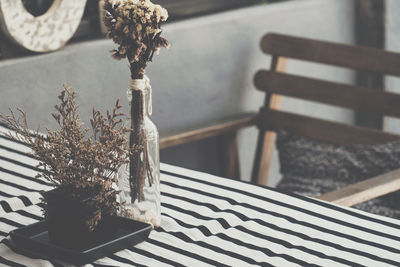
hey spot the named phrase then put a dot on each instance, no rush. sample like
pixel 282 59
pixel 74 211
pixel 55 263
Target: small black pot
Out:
pixel 67 220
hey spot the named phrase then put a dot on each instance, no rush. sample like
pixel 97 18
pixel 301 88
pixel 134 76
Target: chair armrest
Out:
pixel 218 128
pixel 366 190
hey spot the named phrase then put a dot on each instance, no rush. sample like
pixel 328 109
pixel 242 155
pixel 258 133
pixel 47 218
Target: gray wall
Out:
pixel 205 76
pixel 393 44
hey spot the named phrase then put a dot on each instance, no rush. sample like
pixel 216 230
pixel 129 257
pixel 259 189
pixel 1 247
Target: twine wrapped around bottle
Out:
pixel 144 85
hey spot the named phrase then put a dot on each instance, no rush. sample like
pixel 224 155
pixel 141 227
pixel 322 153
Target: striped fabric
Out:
pixel 212 221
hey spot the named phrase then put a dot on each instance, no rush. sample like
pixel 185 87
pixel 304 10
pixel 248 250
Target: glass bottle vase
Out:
pixel 139 181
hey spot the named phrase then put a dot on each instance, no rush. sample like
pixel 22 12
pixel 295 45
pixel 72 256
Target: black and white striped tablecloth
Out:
pixel 208 220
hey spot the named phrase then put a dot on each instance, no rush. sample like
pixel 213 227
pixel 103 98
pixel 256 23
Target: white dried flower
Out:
pixel 136 24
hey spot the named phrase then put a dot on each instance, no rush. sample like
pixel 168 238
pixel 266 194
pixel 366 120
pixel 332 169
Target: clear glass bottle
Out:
pixel 140 189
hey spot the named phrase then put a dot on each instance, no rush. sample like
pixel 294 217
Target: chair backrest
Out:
pixel 332 93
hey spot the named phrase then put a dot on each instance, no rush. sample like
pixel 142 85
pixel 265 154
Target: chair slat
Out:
pixel 338 94
pixel 225 126
pixel 355 57
pixel 366 190
pixel 328 131
pixel 227 144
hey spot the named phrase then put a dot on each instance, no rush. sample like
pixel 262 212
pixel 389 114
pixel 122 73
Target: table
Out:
pixel 208 220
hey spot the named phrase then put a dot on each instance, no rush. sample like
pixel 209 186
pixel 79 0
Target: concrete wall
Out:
pixel 205 76
pixel 393 44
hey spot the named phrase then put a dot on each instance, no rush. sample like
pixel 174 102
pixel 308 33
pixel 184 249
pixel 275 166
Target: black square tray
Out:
pixel 34 239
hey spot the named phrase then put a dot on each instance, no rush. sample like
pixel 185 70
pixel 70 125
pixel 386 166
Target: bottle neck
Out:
pixel 139 97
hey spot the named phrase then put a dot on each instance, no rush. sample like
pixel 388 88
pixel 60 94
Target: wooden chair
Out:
pixel 269 119
pixel 226 133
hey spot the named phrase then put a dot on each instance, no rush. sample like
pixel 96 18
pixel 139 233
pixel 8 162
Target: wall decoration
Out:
pixel 47 32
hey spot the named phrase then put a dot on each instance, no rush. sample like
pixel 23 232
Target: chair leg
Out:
pixel 262 160
pixel 229 155
pixel 266 140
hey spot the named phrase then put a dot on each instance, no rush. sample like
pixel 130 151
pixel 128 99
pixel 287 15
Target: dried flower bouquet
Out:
pixel 78 165
pixel 135 25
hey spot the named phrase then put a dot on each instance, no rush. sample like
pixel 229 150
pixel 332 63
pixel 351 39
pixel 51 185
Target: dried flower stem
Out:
pixel 139 161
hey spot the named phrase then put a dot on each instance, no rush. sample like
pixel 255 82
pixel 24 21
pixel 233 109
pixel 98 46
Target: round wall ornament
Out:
pixel 46 32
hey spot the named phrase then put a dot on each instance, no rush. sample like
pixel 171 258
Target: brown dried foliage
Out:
pixel 75 162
